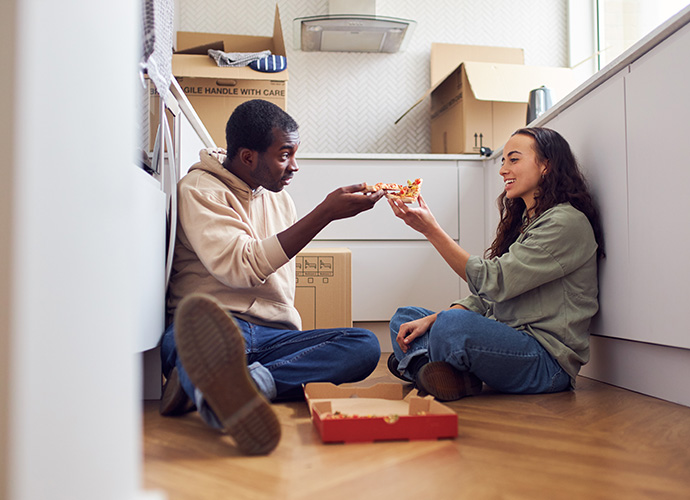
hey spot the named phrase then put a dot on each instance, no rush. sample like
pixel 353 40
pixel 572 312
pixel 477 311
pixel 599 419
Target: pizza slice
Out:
pixel 407 193
pixel 382 185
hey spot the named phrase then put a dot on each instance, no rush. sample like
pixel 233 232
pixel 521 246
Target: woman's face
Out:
pixel 520 169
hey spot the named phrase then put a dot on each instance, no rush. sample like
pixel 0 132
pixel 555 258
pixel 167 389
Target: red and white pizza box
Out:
pixel 376 413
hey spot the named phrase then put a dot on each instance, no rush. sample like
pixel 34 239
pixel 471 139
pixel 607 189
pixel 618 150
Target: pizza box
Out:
pixel 376 413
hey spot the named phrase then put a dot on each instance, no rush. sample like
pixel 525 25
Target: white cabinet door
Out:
pixel 317 178
pixel 390 274
pixel 658 121
pixel 595 129
pixel 149 261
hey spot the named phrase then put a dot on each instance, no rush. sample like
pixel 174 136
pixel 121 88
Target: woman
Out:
pixel 524 328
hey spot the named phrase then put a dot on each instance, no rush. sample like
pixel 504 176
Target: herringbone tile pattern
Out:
pixel 348 102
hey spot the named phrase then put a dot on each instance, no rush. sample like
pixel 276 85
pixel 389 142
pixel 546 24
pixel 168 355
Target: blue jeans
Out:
pixel 280 361
pixel 505 359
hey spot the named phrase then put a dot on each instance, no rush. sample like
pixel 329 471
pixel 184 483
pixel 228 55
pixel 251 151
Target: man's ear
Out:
pixel 247 157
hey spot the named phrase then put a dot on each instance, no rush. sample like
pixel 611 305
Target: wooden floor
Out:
pixel 598 442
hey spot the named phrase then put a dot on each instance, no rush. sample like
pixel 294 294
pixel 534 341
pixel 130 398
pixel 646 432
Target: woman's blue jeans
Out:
pixel 505 359
pixel 280 361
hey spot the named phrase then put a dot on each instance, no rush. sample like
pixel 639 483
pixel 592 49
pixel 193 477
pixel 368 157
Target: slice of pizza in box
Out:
pixel 376 413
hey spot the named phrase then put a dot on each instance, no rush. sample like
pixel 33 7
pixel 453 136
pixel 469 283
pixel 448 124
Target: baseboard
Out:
pixel 654 370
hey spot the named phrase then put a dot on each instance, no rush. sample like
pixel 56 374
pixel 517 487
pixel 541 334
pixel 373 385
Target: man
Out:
pixel 235 342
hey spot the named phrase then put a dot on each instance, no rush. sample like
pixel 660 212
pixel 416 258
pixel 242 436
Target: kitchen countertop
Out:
pixel 390 156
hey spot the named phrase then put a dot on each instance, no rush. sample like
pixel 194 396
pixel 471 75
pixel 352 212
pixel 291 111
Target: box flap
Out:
pixel 188 41
pixel 316 392
pixel 278 40
pixel 446 57
pixel 203 49
pixel 419 101
pixel 191 57
pixel 323 390
pixel 509 82
pixel 513 82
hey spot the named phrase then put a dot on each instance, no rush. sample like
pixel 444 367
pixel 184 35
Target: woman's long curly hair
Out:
pixel 563 182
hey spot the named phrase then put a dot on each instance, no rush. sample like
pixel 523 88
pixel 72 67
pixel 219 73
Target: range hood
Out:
pixel 352 26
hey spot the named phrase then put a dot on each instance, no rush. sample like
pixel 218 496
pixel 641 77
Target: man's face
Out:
pixel 276 166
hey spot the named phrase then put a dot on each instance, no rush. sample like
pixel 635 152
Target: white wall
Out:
pixel 348 102
pixel 71 386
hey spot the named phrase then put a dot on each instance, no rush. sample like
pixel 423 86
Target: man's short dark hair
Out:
pixel 251 126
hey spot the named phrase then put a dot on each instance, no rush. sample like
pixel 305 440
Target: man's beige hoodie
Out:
pixel 227 245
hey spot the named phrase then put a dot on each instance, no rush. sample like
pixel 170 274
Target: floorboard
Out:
pixel 597 442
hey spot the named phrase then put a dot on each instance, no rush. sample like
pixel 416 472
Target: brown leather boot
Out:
pixel 445 383
pixel 174 400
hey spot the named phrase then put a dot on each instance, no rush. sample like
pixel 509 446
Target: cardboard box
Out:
pixel 324 287
pixel 214 91
pixel 482 103
pixel 446 57
pixel 377 413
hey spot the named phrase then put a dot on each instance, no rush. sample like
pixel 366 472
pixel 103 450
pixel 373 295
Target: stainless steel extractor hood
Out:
pixel 352 26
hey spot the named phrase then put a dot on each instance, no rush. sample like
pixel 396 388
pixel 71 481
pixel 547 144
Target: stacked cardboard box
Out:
pixel 216 91
pixel 324 287
pixel 479 95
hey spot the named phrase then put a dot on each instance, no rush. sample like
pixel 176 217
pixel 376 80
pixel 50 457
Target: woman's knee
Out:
pixel 405 315
pixel 452 331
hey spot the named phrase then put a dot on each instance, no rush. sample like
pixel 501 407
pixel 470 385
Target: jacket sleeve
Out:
pixel 227 245
pixel 553 246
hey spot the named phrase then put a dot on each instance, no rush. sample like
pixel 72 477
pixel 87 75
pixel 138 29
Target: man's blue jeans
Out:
pixel 505 359
pixel 280 361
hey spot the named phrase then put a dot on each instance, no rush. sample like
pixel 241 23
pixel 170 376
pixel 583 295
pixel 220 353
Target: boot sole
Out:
pixel 211 349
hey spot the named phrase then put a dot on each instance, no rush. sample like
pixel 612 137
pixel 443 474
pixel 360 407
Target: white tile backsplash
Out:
pixel 348 102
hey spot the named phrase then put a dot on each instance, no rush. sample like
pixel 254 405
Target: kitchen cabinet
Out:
pixel 628 126
pixel 390 274
pixel 149 233
pixel 658 128
pixel 393 265
pixel 316 178
pixel 600 148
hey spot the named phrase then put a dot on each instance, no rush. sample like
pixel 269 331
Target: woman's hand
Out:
pixel 421 219
pixel 418 218
pixel 410 331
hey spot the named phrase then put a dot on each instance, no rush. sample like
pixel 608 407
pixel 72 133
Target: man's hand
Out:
pixel 342 203
pixel 349 201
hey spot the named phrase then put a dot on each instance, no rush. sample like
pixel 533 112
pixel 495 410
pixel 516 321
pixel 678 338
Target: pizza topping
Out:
pixel 407 193
pixel 382 186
